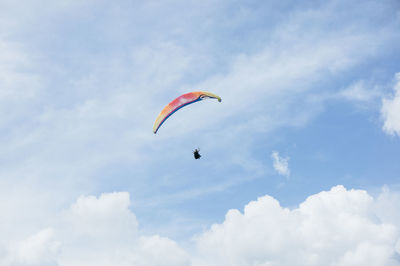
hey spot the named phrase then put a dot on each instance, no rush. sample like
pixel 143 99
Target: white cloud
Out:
pixel 337 227
pixel 391 110
pixel 387 206
pixel 95 231
pixel 82 114
pixel 360 91
pixel 39 249
pixel 19 82
pixel 103 231
pixel 109 214
pixel 281 164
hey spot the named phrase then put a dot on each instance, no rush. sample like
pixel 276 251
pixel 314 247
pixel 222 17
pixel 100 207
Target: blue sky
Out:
pixel 310 113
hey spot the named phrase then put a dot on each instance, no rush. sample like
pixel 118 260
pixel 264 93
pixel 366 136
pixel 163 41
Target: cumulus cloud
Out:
pixel 38 249
pixel 336 227
pixel 106 217
pixel 103 231
pixel 95 231
pixel 281 164
pixel 391 110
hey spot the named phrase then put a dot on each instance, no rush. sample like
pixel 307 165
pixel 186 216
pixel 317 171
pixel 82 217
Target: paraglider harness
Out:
pixel 196 154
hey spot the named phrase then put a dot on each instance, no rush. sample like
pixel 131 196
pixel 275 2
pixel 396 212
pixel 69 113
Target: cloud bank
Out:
pixel 336 227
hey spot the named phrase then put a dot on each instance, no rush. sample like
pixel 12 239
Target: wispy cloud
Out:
pixel 391 110
pixel 81 84
pixel 360 91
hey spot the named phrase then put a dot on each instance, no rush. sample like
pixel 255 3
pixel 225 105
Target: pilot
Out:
pixel 196 154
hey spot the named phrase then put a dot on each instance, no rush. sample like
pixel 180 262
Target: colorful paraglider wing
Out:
pixel 180 102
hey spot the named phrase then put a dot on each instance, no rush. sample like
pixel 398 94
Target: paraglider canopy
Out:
pixel 180 102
